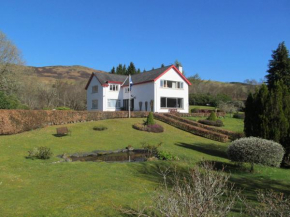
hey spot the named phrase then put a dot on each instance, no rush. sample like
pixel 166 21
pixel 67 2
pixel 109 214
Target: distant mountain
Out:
pixel 49 74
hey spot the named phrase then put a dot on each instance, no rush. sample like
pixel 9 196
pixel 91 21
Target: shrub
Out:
pixel 100 128
pixel 198 192
pixel 165 155
pixel 150 119
pixel 197 130
pixel 155 128
pixel 232 135
pixel 270 204
pixel 256 150
pixel 217 123
pixel 152 149
pixel 40 153
pixel 212 116
pixel 239 115
pixel 194 110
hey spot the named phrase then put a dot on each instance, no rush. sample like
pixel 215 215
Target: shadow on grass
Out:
pixel 209 149
pixel 60 135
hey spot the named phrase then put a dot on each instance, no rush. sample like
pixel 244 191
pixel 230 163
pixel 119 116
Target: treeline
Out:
pixel 123 70
pixel 203 92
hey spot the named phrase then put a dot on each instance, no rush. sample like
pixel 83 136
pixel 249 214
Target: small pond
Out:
pixel 137 155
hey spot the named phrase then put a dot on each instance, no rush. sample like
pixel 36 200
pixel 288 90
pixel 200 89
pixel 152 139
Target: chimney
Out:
pixel 179 67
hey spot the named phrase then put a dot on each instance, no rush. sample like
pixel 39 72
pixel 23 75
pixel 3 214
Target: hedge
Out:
pixel 217 123
pixel 190 128
pixel 200 114
pixel 230 134
pixel 17 121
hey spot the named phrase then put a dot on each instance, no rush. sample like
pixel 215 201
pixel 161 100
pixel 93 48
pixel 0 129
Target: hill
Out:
pixel 74 73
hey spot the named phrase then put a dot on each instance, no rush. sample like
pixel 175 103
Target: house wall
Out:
pixel 91 96
pixel 171 75
pixel 108 94
pixel 142 93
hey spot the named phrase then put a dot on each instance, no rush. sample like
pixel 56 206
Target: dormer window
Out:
pixel 95 89
pixel 114 87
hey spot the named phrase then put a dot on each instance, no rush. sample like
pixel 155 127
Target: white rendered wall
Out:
pixel 92 96
pixel 109 94
pixel 171 75
pixel 141 93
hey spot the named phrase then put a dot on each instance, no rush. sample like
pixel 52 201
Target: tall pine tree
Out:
pixel 279 67
pixel 131 69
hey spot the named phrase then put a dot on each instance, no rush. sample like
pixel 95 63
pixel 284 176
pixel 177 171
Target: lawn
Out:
pixel 45 188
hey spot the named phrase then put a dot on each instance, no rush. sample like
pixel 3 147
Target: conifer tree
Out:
pixel 113 71
pixel 279 67
pixel 162 65
pixel 124 70
pixel 138 71
pixel 131 69
pixel 119 69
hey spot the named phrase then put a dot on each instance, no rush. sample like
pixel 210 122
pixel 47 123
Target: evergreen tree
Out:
pixel 162 65
pixel 113 71
pixel 131 69
pixel 119 69
pixel 138 71
pixel 279 67
pixel 124 70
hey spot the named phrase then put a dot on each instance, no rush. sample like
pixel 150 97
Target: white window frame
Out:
pixel 126 89
pixel 176 98
pixel 95 89
pixel 117 103
pixel 114 87
pixel 178 84
pixel 96 104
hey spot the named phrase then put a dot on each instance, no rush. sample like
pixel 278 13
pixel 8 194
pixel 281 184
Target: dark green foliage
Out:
pixel 279 67
pixel 113 71
pixel 162 65
pixel 267 114
pixel 131 70
pixel 150 119
pixel 40 153
pixel 208 99
pixel 239 116
pixel 194 110
pixel 256 150
pixel 10 102
pixel 217 123
pixel 212 116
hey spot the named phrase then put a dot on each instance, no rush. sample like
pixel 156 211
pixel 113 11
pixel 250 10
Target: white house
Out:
pixel 159 89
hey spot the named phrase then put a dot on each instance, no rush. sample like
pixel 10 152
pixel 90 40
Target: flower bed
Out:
pixel 154 128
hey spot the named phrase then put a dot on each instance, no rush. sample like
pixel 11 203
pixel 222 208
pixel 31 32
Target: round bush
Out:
pixel 212 116
pixel 256 150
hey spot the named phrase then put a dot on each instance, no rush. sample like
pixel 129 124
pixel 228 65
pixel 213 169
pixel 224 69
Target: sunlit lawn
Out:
pixel 45 188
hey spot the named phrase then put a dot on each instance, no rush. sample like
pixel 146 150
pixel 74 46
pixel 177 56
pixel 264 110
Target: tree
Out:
pixel 131 70
pixel 113 71
pixel 279 67
pixel 162 65
pixel 10 60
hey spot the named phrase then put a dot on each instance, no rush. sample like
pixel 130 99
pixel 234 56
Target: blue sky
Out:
pixel 225 40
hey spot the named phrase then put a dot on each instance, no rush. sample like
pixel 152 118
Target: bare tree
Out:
pixel 10 62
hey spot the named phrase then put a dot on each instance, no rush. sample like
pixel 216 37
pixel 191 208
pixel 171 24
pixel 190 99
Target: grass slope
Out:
pixel 43 188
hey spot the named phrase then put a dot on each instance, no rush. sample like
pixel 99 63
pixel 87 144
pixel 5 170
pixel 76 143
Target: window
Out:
pixel 95 104
pixel 95 89
pixel 114 103
pixel 114 87
pixel 127 90
pixel 166 102
pixel 171 84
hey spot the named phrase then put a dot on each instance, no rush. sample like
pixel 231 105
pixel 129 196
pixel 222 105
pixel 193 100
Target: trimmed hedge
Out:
pixel 190 128
pixel 230 134
pixel 217 123
pixel 154 128
pixel 256 150
pixel 200 114
pixel 17 121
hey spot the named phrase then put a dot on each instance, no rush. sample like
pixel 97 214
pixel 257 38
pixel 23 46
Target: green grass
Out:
pixel 233 124
pixel 45 188
pixel 200 107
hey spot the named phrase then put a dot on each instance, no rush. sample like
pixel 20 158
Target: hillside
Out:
pixel 49 74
